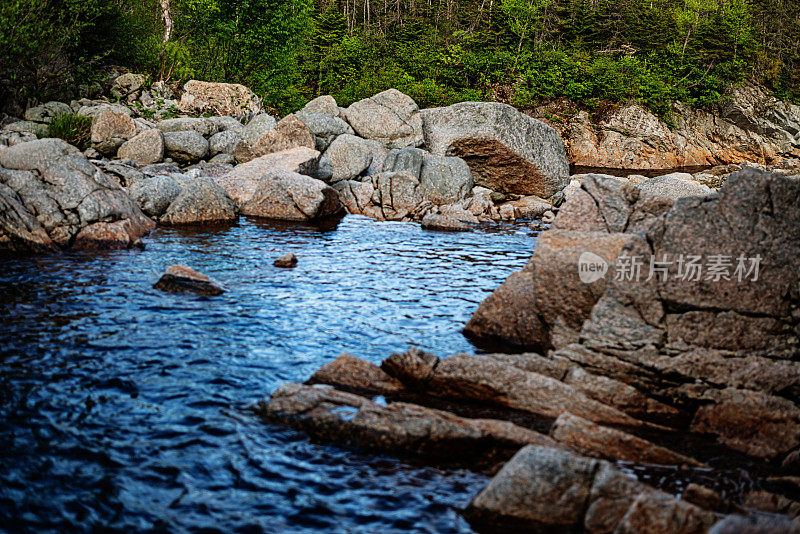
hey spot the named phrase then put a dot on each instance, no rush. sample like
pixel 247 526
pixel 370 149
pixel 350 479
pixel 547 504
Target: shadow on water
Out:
pixel 124 408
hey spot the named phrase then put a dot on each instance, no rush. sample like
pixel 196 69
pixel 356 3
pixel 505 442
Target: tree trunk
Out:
pixel 166 14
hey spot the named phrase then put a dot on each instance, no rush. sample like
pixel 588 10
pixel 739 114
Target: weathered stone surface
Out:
pixel 350 373
pixel 506 150
pixel 218 98
pixel 747 125
pixel 145 148
pixel 530 207
pixel 765 501
pixel 323 104
pixel 95 110
pixel 154 194
pixel 752 422
pixel 756 524
pixel 243 180
pixel 200 125
pixel 46 112
pixel 180 279
pixel 328 414
pixel 539 488
pixel 185 146
pixel 51 189
pixel 443 223
pixel 390 117
pixel 445 180
pixel 257 128
pixel 180 200
pixel 349 155
pixel 495 382
pixel 603 442
pixel 288 133
pixel 408 159
pixel 655 513
pixel 225 142
pixel 127 85
pixel 385 196
pixel 750 217
pixel 201 201
pixel 542 489
pixel 110 130
pixel 673 187
pixel 287 261
pixel 293 197
pixel 523 312
pixel 224 123
pixel 324 127
pixel 508 315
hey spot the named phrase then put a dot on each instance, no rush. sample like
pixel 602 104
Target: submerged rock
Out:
pixel 180 278
pixel 286 261
pixel 443 223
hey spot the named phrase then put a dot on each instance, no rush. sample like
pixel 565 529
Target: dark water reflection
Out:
pixel 123 407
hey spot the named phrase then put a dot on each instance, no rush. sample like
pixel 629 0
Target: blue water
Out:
pixel 125 408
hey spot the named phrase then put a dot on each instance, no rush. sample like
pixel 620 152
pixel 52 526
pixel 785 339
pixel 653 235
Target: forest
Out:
pixel 523 52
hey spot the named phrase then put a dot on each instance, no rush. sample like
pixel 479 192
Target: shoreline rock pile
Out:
pixel 699 372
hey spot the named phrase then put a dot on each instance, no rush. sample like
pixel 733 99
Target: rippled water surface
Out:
pixel 125 408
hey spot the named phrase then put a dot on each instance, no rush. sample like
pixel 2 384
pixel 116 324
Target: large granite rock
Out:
pixel 385 196
pixel 389 117
pixel 242 181
pixel 445 180
pixel 201 125
pixel 258 127
pixel 291 196
pixel 185 146
pixel 52 198
pixel 218 98
pixel 546 304
pixel 145 148
pixel 349 155
pixel 544 489
pixel 324 127
pixel 498 383
pixel 506 150
pixel 109 130
pixel 289 132
pixel 333 415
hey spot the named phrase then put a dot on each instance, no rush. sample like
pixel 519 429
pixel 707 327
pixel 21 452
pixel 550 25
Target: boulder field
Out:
pixel 207 153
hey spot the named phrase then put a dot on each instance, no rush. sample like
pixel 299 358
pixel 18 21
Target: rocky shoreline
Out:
pixel 213 154
pixel 700 373
pixel 656 325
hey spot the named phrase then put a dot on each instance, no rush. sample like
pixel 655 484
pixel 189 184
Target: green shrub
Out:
pixel 73 128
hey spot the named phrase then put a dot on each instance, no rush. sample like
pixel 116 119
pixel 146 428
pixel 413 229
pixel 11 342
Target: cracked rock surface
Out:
pixel 52 197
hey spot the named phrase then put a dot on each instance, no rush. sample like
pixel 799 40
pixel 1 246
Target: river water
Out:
pixel 124 408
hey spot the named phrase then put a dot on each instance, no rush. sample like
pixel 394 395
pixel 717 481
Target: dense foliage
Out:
pixel 438 51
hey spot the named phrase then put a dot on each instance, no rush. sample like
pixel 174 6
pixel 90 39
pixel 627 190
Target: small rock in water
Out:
pixel 288 261
pixel 180 278
pixel 443 223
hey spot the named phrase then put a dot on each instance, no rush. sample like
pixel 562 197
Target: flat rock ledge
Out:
pixel 577 440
